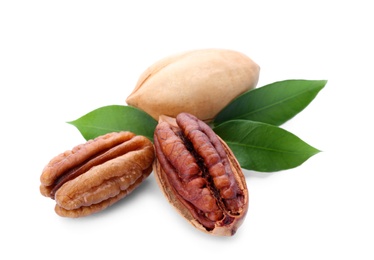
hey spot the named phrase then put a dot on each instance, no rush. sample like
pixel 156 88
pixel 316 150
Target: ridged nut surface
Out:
pixel 98 173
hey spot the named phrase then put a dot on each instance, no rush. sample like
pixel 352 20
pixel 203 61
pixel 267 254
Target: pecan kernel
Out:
pixel 199 174
pixel 96 174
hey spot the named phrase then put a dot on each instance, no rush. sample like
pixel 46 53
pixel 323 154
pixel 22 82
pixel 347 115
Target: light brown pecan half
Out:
pixel 98 173
pixel 199 175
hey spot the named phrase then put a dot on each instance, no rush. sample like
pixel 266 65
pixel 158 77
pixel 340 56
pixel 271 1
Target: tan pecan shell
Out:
pixel 98 173
pixel 200 82
pixel 199 175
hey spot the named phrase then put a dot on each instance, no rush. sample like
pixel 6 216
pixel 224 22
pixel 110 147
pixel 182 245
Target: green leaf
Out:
pixel 115 118
pixel 274 103
pixel 263 147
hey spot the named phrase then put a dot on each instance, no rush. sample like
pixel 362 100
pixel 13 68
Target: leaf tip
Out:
pixel 73 123
pixel 323 82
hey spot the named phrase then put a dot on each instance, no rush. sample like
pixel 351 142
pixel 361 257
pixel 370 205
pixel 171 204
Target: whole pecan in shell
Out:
pixel 200 82
pixel 199 174
pixel 98 173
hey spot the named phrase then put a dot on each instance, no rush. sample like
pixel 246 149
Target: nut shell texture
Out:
pixel 199 175
pixel 199 82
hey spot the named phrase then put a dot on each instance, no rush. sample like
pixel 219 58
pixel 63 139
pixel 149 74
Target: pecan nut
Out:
pixel 199 82
pixel 98 173
pixel 199 174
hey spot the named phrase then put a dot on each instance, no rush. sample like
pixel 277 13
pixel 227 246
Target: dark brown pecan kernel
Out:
pixel 199 174
pixel 96 174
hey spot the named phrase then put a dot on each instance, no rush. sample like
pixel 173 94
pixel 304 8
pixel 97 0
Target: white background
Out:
pixel 62 59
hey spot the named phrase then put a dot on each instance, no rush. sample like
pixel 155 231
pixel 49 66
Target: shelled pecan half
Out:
pixel 199 174
pixel 98 173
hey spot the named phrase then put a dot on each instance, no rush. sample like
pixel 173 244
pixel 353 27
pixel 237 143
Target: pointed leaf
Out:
pixel 113 119
pixel 274 103
pixel 263 147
